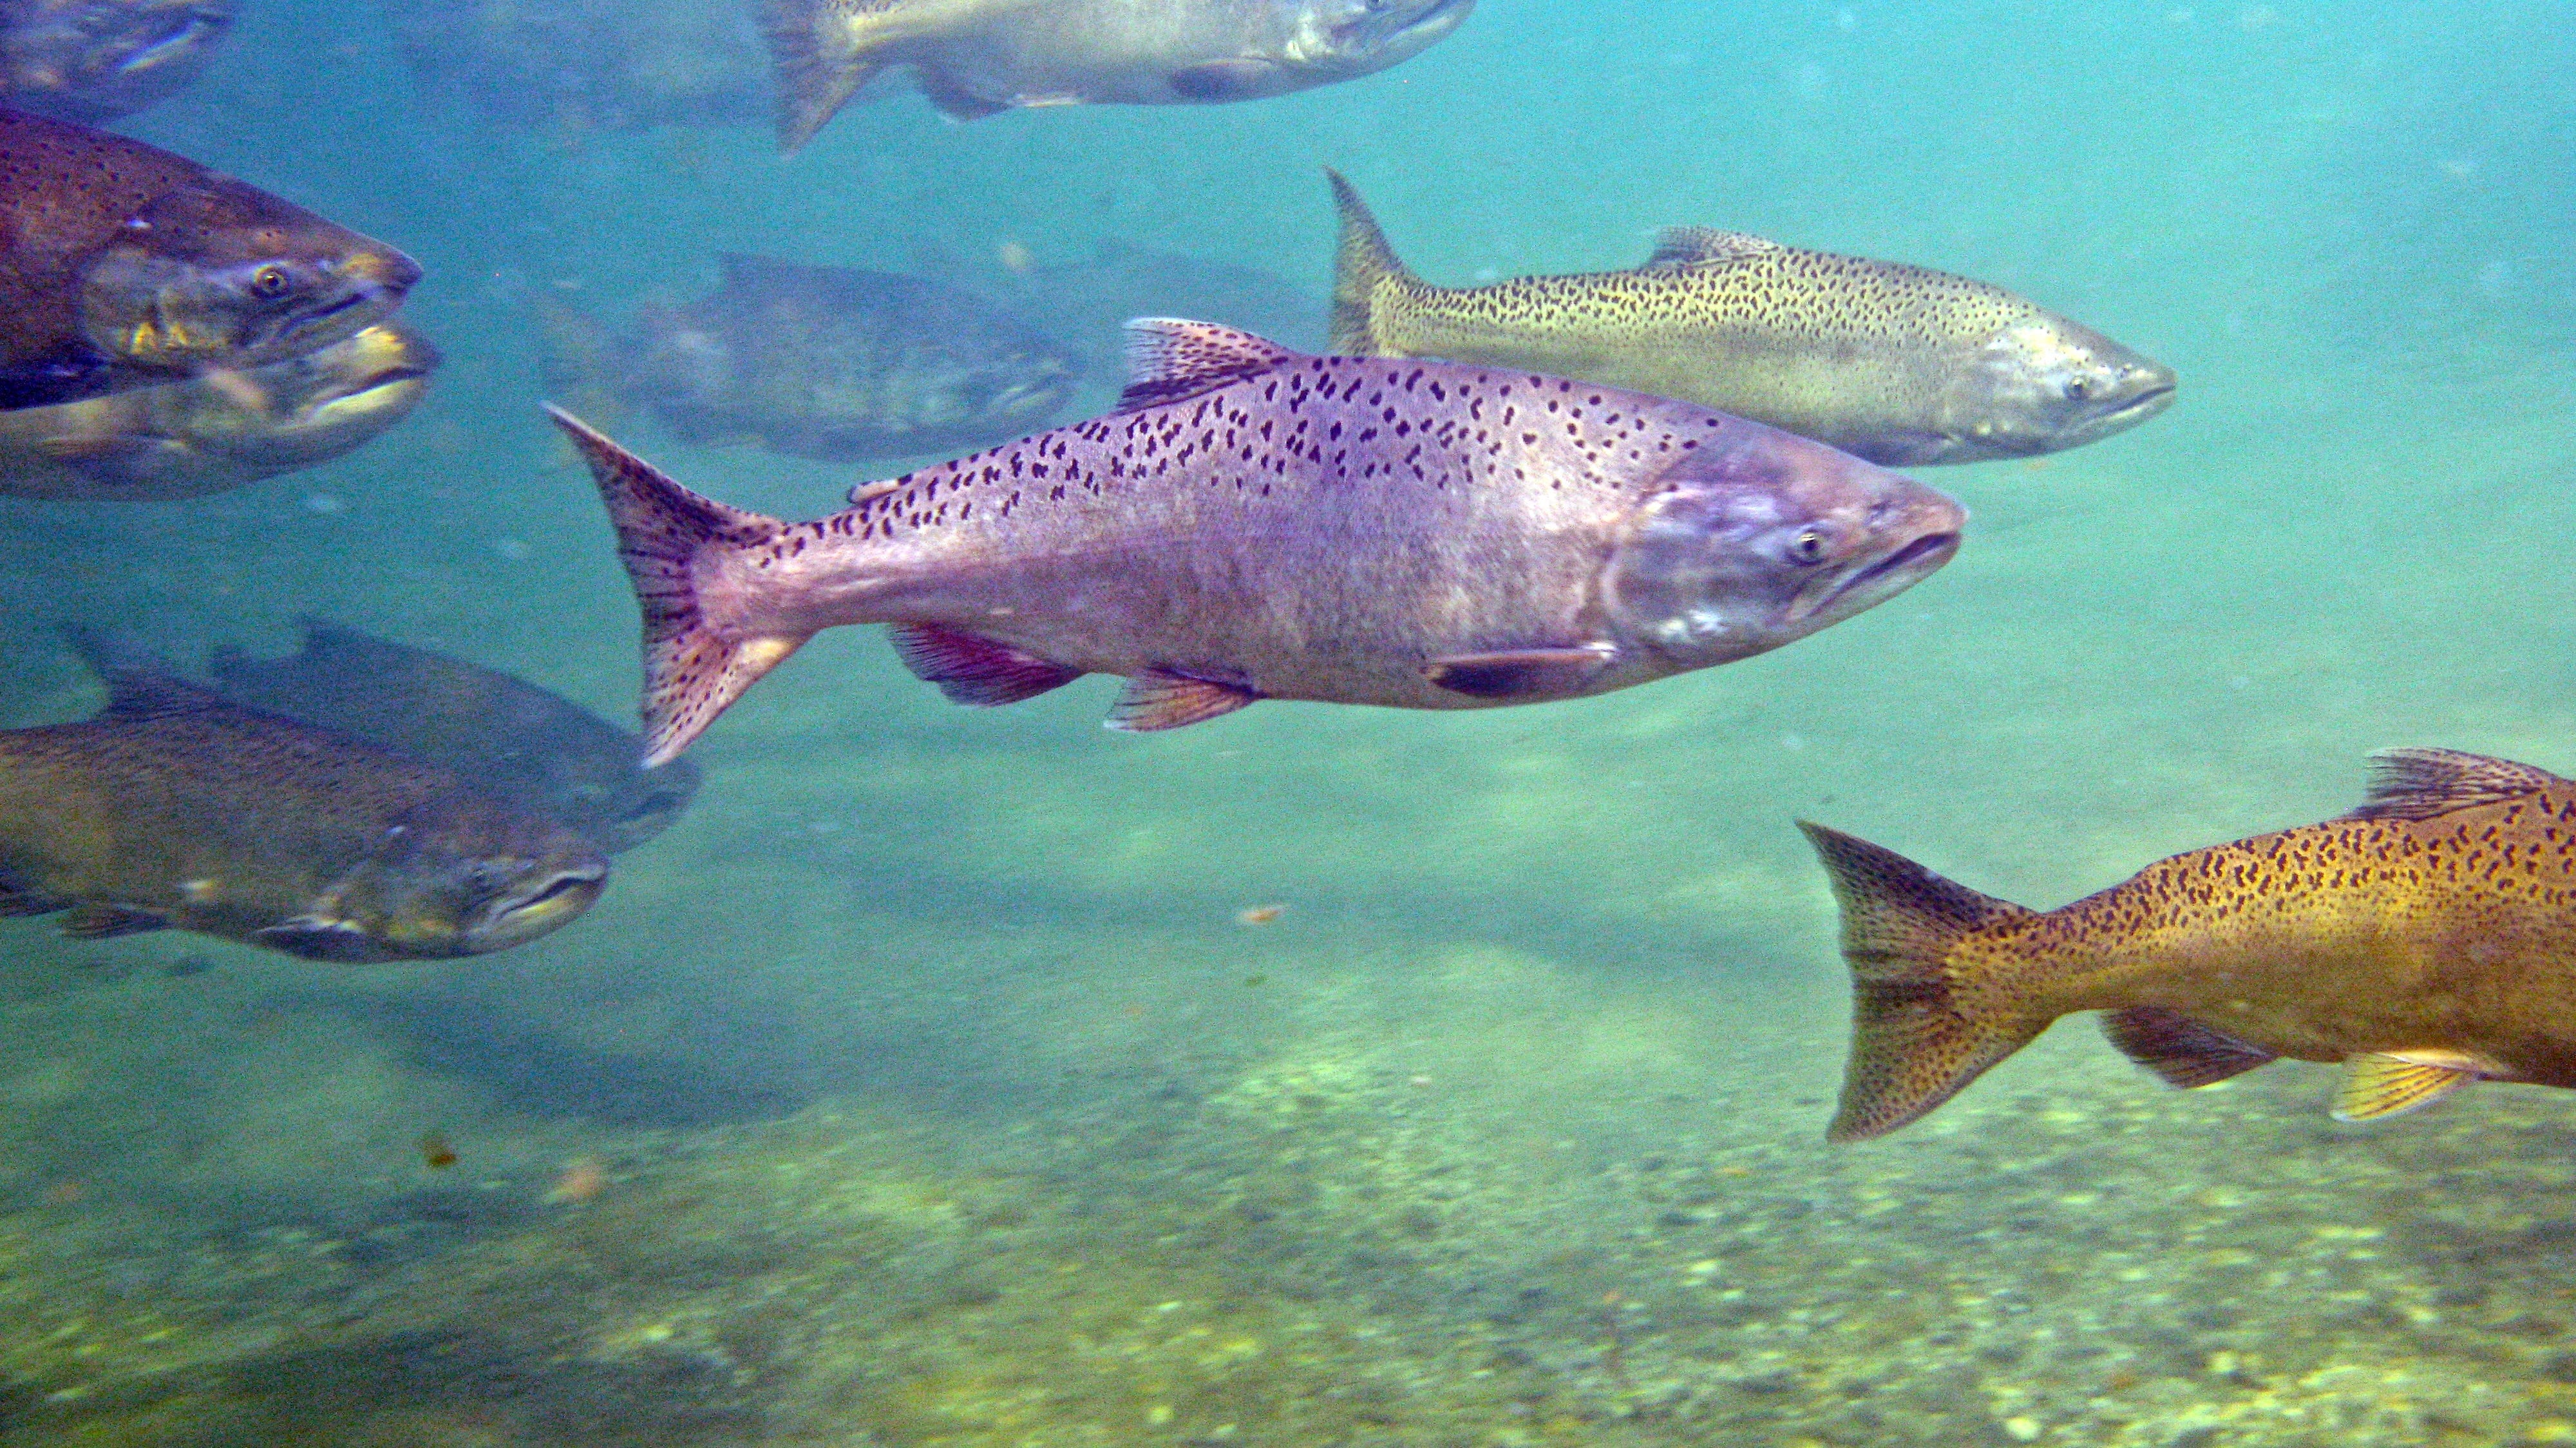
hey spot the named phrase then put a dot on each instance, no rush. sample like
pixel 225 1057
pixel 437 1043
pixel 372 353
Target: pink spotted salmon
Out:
pixel 1254 523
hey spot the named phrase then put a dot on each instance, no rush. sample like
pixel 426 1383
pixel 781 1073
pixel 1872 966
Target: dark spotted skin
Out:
pixel 1306 533
pixel 2358 935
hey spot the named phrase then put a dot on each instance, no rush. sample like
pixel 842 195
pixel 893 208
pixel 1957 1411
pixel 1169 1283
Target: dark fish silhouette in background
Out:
pixel 608 65
pixel 2424 939
pixel 122 265
pixel 981 57
pixel 175 808
pixel 528 747
pixel 1085 304
pixel 824 362
pixel 96 60
pixel 1256 523
pixel 1894 363
pixel 217 430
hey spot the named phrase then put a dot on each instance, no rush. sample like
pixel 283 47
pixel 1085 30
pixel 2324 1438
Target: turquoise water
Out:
pixel 923 1086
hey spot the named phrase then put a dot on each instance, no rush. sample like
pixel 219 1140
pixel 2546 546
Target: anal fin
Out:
pixel 2181 1050
pixel 2391 1083
pixel 971 669
pixel 1516 673
pixel 1170 701
pixel 106 922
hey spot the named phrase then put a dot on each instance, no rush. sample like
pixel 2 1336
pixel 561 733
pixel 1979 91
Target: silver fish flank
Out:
pixel 1255 523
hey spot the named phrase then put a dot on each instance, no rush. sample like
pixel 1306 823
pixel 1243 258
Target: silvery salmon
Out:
pixel 1254 523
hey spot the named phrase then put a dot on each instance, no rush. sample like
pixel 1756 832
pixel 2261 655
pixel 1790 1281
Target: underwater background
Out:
pixel 926 1085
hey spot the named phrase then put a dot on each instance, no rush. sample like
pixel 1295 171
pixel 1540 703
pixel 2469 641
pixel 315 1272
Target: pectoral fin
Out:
pixel 2391 1083
pixel 971 669
pixel 1170 701
pixel 106 922
pixel 1240 78
pixel 316 938
pixel 2181 1050
pixel 1520 673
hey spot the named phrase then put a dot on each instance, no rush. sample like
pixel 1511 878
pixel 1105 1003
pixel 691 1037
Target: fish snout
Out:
pixel 549 900
pixel 2141 390
pixel 382 269
pixel 1910 533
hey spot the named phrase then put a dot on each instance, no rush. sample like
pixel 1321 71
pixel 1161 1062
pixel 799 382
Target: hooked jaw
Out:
pixel 550 900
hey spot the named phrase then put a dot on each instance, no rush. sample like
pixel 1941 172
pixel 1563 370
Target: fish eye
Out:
pixel 270 282
pixel 2078 388
pixel 1810 546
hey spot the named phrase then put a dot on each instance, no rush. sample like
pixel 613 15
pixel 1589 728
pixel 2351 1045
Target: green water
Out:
pixel 923 1086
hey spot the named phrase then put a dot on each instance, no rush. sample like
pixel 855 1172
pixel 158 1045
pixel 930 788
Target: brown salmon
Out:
pixel 528 746
pixel 175 809
pixel 2426 938
pixel 1254 523
pixel 122 265
pixel 217 430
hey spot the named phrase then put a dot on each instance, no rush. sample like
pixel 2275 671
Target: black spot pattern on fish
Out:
pixel 1317 421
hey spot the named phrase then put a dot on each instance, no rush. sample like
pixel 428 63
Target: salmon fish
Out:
pixel 981 57
pixel 1254 523
pixel 122 265
pixel 2426 939
pixel 175 809
pixel 521 744
pixel 217 430
pixel 95 60
pixel 1889 362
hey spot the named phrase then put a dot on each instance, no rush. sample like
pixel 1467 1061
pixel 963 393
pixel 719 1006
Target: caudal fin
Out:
pixel 822 52
pixel 1918 1033
pixel 1363 262
pixel 691 671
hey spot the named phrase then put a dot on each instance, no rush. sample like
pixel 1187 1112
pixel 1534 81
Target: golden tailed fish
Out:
pixel 980 57
pixel 122 265
pixel 1255 523
pixel 173 808
pixel 2426 939
pixel 217 430
pixel 1894 363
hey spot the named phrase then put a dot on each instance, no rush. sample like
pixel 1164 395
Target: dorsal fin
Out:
pixel 2418 784
pixel 1680 248
pixel 1169 359
pixel 140 683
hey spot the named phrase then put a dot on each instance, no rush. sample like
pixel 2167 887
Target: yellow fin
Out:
pixel 2419 784
pixel 1363 262
pixel 2380 1084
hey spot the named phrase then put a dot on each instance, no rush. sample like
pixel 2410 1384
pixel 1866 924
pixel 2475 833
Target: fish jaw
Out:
pixel 1338 39
pixel 2043 385
pixel 1760 538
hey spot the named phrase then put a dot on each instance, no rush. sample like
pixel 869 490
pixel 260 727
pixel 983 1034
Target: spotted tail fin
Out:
pixel 1917 1037
pixel 691 670
pixel 1361 268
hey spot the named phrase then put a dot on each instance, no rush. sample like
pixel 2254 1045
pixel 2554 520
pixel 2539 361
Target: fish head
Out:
pixel 219 274
pixel 320 405
pixel 1756 538
pixel 1319 41
pixel 2043 384
pixel 468 883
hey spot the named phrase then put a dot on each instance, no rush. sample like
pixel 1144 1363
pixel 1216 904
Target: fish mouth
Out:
pixel 1887 577
pixel 2138 409
pixel 553 903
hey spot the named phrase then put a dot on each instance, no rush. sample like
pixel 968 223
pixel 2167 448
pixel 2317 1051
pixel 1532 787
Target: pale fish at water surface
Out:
pixel 1897 364
pixel 979 57
pixel 217 430
pixel 95 60
pixel 2425 939
pixel 1256 523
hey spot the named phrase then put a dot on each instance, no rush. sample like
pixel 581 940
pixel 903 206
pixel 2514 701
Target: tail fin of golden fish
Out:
pixel 691 671
pixel 1363 263
pixel 1916 1037
pixel 822 51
